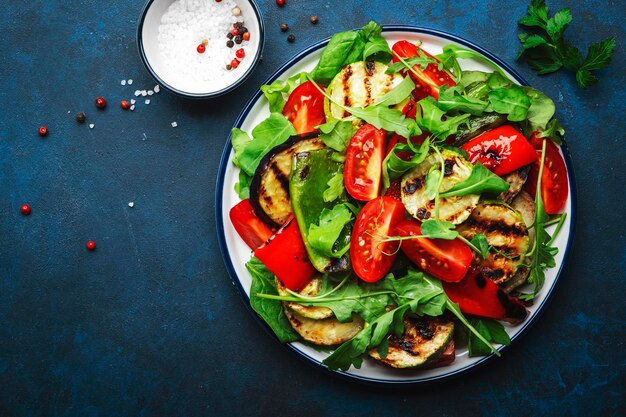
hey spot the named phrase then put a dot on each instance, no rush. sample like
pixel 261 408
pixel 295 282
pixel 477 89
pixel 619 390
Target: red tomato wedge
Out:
pixel 448 260
pixel 372 259
pixel 305 108
pixel 251 229
pixel 502 150
pixel 427 81
pixel 480 296
pixel 554 183
pixel 394 190
pixel 364 160
pixel 285 255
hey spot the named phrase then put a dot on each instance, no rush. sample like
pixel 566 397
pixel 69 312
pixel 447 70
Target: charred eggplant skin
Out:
pixel 477 125
pixel 269 165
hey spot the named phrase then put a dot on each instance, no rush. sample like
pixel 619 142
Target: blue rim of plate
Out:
pixel 181 93
pixel 359 378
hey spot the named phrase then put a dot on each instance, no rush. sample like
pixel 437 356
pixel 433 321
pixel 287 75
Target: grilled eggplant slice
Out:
pixel 423 342
pixel 269 190
pixel 312 289
pixel 452 209
pixel 516 181
pixel 325 332
pixel 359 85
pixel 506 232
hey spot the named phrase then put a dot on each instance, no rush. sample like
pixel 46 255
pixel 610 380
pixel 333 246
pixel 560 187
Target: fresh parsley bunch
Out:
pixel 549 52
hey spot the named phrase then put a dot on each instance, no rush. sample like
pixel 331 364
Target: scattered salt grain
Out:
pixel 137 93
pixel 130 82
pixel 91 126
pixel 150 92
pixel 157 88
pixel 174 124
pixel 144 93
pixel 132 101
pixel 132 107
pixel 123 82
pixel 147 101
pixel 131 204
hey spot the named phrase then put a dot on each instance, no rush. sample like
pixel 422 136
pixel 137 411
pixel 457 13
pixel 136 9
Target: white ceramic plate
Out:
pixel 236 253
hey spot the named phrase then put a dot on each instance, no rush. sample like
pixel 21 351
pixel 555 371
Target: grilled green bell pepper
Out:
pixel 310 173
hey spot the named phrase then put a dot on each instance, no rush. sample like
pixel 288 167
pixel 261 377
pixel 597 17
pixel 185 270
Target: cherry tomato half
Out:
pixel 251 229
pixel 364 160
pixel 554 183
pixel 372 259
pixel 502 150
pixel 448 260
pixel 427 81
pixel 305 108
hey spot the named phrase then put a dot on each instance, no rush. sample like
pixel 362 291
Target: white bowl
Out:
pixel 148 44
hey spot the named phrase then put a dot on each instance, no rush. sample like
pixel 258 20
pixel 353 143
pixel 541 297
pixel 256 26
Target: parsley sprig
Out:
pixel 549 52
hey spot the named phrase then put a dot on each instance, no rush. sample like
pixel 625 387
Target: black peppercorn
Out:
pixel 230 44
pixel 229 35
pixel 238 39
pixel 314 20
pixel 291 38
pixel 238 25
pixel 80 117
pixel 228 67
pixel 284 27
pixel 243 30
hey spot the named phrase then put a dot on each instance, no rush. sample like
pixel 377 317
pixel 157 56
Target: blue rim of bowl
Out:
pixel 213 94
pixel 346 375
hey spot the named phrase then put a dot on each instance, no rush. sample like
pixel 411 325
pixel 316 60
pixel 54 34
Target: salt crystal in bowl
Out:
pixel 170 32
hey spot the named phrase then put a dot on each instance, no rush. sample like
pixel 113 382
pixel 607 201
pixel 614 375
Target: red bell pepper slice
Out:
pixel 479 296
pixel 251 229
pixel 285 255
pixel 502 150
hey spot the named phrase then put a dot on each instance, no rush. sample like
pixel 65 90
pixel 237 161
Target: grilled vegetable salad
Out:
pixel 396 204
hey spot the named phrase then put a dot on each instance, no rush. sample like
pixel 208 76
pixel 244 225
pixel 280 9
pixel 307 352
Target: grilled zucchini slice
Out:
pixel 325 332
pixel 311 289
pixel 424 340
pixel 269 189
pixel 506 231
pixel 452 209
pixel 359 85
pixel 525 205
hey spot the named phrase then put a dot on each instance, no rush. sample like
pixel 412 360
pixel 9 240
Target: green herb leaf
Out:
pixel 271 311
pixel 531 41
pixel 239 140
pixel 242 188
pixel 511 101
pixel 343 46
pixel 377 49
pixel 480 242
pixel 274 92
pixel 481 180
pixel 450 99
pixel 541 109
pixel 438 229
pixel 452 52
pixel 398 94
pixel 554 131
pixel 322 236
pixel 394 166
pixel 432 183
pixel 335 188
pixel 422 61
pixel 558 23
pixel 491 330
pixel 336 134
pixel 432 121
pixel 537 15
pixel 272 131
pixel 598 56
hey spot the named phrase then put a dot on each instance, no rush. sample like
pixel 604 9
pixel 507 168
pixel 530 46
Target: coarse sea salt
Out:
pixel 185 25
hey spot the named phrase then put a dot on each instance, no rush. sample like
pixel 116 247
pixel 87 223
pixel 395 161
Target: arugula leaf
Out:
pixel 491 330
pixel 433 179
pixel 451 53
pixel 481 180
pixel 272 131
pixel 239 140
pixel 480 242
pixel 336 134
pixel 549 52
pixel 471 77
pixel 431 119
pixel 554 131
pixel 242 188
pixel 322 236
pixel 271 311
pixel 438 229
pixel 511 101
pixel 335 188
pixel 422 61
pixel 398 94
pixel 394 166
pixel 274 92
pixel 451 99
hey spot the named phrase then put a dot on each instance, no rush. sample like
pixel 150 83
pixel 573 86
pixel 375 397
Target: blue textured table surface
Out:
pixel 150 324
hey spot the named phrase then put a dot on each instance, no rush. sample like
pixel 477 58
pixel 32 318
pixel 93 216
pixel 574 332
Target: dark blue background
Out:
pixel 150 324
